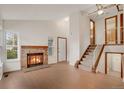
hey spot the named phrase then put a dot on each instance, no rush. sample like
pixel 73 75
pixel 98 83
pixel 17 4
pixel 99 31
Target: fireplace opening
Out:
pixel 34 59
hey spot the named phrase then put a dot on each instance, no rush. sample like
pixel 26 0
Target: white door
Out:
pixel 114 64
pixel 61 49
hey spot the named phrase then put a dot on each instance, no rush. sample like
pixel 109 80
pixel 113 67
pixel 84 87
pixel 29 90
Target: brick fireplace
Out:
pixel 33 56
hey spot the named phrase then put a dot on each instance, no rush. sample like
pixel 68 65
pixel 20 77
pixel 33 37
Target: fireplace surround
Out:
pixel 33 56
pixel 34 59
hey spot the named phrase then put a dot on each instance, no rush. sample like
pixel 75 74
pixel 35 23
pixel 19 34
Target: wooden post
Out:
pixel 106 63
pixel 122 61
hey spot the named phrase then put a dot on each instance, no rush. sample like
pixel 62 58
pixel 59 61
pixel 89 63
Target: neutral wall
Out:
pixel 36 33
pixel 79 35
pixel 112 48
pixel 74 38
pixel 84 33
pixel 1 40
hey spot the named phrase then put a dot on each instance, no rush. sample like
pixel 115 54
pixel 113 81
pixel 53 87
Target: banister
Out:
pixel 97 60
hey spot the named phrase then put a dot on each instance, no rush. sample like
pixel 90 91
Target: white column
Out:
pixel 1 49
pixel 79 35
pixel 74 38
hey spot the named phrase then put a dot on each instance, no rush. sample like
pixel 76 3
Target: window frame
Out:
pixel 121 29
pixel 18 47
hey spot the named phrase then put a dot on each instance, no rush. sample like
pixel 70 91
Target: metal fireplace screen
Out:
pixel 34 59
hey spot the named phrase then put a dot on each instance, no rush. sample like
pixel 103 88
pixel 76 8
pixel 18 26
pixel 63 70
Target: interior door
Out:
pixel 92 32
pixel 62 51
pixel 111 30
pixel 114 64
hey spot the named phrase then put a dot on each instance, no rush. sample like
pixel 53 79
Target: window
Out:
pixel 111 30
pixel 12 45
pixel 50 46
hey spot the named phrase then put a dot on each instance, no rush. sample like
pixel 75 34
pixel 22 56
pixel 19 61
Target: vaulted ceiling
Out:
pixel 46 11
pixel 40 11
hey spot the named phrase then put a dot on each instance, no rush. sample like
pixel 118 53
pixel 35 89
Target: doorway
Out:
pixel 61 49
pixel 114 64
pixel 92 32
pixel 111 30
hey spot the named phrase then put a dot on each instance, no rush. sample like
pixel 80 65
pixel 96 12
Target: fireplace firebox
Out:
pixel 34 59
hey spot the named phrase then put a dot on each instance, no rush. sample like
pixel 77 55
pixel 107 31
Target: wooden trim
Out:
pixel 121 29
pixel 113 44
pixel 117 8
pixel 28 46
pixel 58 47
pixel 94 33
pixel 98 58
pixel 121 66
pixel 116 36
pixel 116 52
pixel 106 63
pixel 62 37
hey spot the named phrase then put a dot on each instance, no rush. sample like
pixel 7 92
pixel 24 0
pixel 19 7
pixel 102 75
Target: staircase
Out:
pixel 86 62
pixel 90 59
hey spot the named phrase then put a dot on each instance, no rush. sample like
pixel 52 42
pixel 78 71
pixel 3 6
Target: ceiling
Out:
pixel 40 11
pixel 107 12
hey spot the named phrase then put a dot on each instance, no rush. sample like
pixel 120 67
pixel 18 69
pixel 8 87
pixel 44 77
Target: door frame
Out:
pixel 94 32
pixel 58 47
pixel 106 62
pixel 116 25
pixel 121 29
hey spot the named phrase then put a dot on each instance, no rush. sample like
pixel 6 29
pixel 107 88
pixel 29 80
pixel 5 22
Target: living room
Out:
pixel 40 44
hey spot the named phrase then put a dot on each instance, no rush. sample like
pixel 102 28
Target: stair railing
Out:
pixel 96 56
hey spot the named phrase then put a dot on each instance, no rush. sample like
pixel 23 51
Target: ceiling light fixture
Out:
pixel 66 19
pixel 100 12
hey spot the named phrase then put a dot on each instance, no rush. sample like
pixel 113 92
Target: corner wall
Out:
pixel 79 35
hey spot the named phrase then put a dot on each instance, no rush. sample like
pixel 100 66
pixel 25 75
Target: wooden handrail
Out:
pixel 113 44
pixel 78 61
pixel 98 58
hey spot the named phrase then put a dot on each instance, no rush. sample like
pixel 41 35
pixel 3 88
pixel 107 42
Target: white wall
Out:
pixel 74 38
pixel 112 48
pixel 1 41
pixel 79 35
pixel 36 33
pixel 84 32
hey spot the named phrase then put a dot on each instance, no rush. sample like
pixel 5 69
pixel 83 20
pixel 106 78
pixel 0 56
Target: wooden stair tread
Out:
pixel 87 52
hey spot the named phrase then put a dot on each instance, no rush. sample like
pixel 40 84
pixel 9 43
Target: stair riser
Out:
pixel 86 63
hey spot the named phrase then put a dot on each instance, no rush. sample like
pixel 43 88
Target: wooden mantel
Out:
pixel 30 46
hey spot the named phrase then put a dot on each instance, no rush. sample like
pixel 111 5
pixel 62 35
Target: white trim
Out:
pixel 12 60
pixel 18 47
